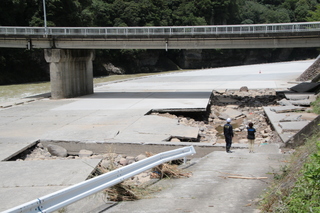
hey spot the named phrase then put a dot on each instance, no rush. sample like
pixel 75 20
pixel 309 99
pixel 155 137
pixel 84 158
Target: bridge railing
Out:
pixel 57 200
pixel 163 31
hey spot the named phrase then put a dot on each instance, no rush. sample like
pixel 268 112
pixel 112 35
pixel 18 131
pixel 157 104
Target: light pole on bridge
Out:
pixel 45 17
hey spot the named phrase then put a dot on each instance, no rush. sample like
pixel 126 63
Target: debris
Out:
pixel 252 178
pixel 56 150
pixel 283 109
pixel 169 171
pixel 244 89
pixel 85 153
pixel 122 192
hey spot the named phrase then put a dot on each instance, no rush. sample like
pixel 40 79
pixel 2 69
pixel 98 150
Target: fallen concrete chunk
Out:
pixel 292 126
pixel 282 109
pixel 230 113
pixel 306 87
pixel 140 157
pixel 313 97
pixel 285 102
pixel 56 150
pixel 301 103
pixel 296 96
pixel 175 140
pixel 244 89
pixel 85 153
pixel 291 118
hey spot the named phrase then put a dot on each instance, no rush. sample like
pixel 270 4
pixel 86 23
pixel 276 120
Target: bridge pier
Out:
pixel 71 72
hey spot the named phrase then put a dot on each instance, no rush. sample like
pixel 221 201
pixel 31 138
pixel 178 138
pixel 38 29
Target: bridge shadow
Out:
pixel 150 95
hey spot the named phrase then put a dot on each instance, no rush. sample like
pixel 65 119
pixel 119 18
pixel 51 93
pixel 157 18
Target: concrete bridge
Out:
pixel 70 50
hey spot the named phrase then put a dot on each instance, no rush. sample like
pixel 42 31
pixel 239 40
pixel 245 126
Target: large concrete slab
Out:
pixel 293 126
pixel 306 87
pixel 23 181
pixel 283 109
pixel 285 123
pixel 297 96
pixel 291 117
pixel 13 148
pixel 275 119
pixel 301 103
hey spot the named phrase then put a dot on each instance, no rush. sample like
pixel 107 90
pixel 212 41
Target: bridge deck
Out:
pixel 284 35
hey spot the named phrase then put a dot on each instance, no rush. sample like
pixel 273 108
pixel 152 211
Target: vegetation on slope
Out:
pixel 297 187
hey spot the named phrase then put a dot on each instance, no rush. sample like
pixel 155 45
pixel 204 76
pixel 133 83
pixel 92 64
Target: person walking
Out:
pixel 228 134
pixel 251 137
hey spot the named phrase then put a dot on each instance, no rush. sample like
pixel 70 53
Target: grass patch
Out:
pixel 305 196
pixel 296 186
pixel 316 106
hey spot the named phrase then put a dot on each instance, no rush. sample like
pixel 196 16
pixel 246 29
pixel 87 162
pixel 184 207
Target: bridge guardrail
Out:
pixel 163 31
pixel 67 196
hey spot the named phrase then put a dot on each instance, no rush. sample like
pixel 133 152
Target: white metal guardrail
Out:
pixel 64 197
pixel 163 31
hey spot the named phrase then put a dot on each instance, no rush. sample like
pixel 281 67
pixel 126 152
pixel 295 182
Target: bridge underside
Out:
pixel 161 43
pixel 70 58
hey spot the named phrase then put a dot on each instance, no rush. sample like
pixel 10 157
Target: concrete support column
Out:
pixel 71 72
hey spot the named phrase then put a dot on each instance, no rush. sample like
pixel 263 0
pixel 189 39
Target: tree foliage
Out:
pixel 314 15
pixel 154 12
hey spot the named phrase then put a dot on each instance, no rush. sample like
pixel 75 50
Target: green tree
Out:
pixel 131 14
pixel 299 10
pixel 255 13
pixel 185 14
pixel 63 13
pixel 155 13
pixel 117 9
pixel 98 14
pixel 225 11
pixel 204 8
pixel 270 2
pixel 314 15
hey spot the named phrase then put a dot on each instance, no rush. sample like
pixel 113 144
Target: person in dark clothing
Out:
pixel 251 136
pixel 228 134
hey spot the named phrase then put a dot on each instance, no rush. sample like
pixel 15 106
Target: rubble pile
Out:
pixel 243 106
pixel 109 162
